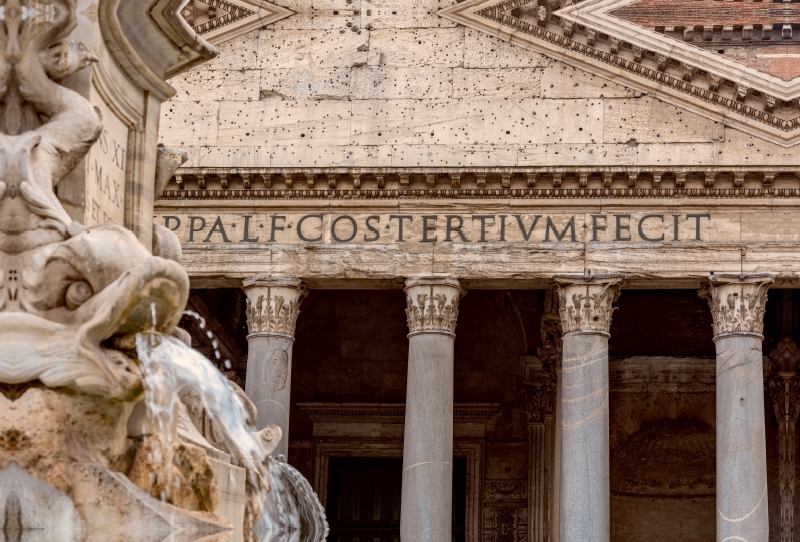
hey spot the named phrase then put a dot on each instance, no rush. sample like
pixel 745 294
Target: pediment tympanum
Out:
pixel 221 20
pixel 734 62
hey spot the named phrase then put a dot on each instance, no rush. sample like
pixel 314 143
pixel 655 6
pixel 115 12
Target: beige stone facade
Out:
pixel 555 162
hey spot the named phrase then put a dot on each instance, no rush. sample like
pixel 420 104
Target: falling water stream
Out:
pixel 291 511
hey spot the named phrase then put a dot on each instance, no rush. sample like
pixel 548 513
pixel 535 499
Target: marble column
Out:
pixel 272 309
pixel 426 506
pixel 585 307
pixel 737 305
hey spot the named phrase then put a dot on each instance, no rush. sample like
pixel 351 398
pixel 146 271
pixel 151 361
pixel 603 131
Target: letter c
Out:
pixel 300 229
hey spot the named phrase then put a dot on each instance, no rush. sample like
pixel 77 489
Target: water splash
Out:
pixel 292 512
pixel 222 364
pixel 169 366
pixel 289 511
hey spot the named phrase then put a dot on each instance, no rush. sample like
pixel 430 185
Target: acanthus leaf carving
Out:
pixel 273 305
pixel 585 303
pixel 432 305
pixel 737 302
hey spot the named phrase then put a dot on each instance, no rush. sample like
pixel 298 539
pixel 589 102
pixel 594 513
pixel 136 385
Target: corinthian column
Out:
pixel 432 310
pixel 585 307
pixel 737 305
pixel 272 309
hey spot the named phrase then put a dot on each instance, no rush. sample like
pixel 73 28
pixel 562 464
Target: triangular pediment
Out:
pixel 221 20
pixel 723 60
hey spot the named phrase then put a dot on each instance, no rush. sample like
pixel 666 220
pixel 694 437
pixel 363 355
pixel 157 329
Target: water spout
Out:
pixel 169 366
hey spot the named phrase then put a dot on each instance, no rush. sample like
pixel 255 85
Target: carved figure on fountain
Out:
pixel 72 301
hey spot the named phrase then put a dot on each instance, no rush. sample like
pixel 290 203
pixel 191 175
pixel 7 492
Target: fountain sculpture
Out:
pixel 110 427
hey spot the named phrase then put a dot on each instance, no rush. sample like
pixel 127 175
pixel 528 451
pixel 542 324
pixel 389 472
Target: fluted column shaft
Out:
pixel 426 506
pixel 584 493
pixel 737 305
pixel 272 309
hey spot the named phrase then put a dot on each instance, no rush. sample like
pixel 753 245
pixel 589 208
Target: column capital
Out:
pixel 737 303
pixel 432 304
pixel 585 302
pixel 273 304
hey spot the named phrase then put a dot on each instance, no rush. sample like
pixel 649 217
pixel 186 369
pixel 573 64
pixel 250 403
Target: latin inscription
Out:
pixel 331 228
pixel 106 170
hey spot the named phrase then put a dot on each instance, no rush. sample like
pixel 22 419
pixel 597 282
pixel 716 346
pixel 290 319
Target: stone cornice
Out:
pixel 549 181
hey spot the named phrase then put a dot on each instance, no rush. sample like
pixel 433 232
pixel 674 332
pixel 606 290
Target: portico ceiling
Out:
pixel 734 62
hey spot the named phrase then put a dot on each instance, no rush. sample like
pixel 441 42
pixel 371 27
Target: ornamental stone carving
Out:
pixel 432 304
pixel 585 302
pixel 737 302
pixel 784 389
pixel 538 397
pixel 273 304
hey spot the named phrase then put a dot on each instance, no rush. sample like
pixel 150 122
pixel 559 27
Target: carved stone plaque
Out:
pixel 106 169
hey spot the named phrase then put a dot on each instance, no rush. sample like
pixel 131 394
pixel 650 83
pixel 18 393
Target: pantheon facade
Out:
pixel 504 270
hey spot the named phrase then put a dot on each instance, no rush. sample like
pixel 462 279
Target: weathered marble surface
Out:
pixel 428 443
pixel 268 384
pixel 272 310
pixel 584 508
pixel 742 509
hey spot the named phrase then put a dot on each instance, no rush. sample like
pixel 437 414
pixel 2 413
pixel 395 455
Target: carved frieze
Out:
pixel 505 524
pixel 506 490
pixel 551 349
pixel 539 396
pixel 273 304
pixel 784 389
pixel 432 304
pixel 585 302
pixel 737 302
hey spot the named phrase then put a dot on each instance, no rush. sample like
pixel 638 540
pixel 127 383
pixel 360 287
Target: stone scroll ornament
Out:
pixel 72 297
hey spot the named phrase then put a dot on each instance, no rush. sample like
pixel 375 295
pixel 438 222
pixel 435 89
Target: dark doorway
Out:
pixel 364 499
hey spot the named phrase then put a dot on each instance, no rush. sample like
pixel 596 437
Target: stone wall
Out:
pixel 348 83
